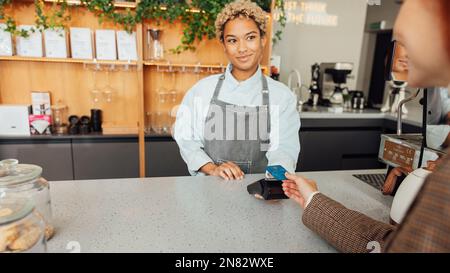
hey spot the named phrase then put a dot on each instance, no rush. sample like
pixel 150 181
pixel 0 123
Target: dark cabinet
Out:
pixel 54 156
pixel 162 158
pixel 339 150
pixel 105 158
pixel 343 144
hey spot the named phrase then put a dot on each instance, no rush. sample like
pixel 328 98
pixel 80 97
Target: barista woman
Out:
pixel 241 121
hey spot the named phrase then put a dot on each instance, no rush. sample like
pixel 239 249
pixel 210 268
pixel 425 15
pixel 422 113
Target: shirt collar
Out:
pixel 252 81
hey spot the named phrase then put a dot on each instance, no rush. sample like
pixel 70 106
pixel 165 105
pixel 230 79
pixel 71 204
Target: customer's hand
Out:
pixel 228 171
pixel 299 188
pixel 391 180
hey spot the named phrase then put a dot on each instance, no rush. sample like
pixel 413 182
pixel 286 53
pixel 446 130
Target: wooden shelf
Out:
pixel 150 63
pixel 64 60
pixel 264 68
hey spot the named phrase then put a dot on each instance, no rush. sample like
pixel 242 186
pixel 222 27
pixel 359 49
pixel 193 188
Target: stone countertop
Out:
pixel 195 214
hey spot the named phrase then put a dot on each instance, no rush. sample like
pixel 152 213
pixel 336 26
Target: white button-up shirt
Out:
pixel 284 118
pixel 438 107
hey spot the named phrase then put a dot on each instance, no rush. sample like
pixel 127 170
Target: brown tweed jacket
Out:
pixel 425 228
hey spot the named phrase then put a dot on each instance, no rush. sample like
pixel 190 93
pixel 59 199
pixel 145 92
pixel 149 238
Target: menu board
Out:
pixel 105 44
pixel 55 43
pixel 81 43
pixel 126 45
pixel 30 46
pixel 6 48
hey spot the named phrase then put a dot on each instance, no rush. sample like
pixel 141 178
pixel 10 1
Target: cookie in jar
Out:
pixel 21 228
pixel 25 181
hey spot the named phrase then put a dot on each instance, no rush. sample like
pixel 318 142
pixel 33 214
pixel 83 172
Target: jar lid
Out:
pixel 14 209
pixel 13 173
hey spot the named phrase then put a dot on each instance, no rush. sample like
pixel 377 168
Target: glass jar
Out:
pixel 25 181
pixel 21 227
pixel 60 118
pixel 154 44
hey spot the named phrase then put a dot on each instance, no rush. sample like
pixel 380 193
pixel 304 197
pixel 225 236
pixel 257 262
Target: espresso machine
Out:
pixel 332 82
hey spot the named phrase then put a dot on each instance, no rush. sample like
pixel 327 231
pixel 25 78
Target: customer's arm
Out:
pixel 345 229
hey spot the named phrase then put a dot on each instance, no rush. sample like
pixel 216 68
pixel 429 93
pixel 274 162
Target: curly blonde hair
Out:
pixel 241 8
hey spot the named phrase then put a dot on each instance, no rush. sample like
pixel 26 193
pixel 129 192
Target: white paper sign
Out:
pixel 126 45
pixel 81 43
pixel 5 42
pixel 30 46
pixel 105 44
pixel 55 43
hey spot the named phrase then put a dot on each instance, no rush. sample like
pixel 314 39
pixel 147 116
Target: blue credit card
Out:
pixel 277 171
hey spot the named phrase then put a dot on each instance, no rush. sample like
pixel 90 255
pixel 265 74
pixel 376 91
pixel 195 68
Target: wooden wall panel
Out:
pixel 72 84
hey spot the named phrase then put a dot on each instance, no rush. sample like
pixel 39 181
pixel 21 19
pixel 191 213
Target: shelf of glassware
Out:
pixel 194 67
pixel 65 60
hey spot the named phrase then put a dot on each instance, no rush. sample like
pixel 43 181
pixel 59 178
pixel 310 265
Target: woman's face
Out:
pixel 243 43
pixel 418 28
pixel 400 66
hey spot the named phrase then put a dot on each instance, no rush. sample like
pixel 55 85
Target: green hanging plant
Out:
pixel 197 16
pixel 199 25
pixel 167 10
pixel 106 11
pixel 57 17
pixel 3 3
pixel 282 20
pixel 10 23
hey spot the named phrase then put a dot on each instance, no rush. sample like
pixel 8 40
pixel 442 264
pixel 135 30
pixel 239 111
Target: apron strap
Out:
pixel 265 100
pixel 218 87
pixel 265 91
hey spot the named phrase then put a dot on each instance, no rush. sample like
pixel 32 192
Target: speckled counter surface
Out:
pixel 195 214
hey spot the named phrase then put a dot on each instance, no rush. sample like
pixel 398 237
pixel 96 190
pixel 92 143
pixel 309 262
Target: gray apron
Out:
pixel 238 133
